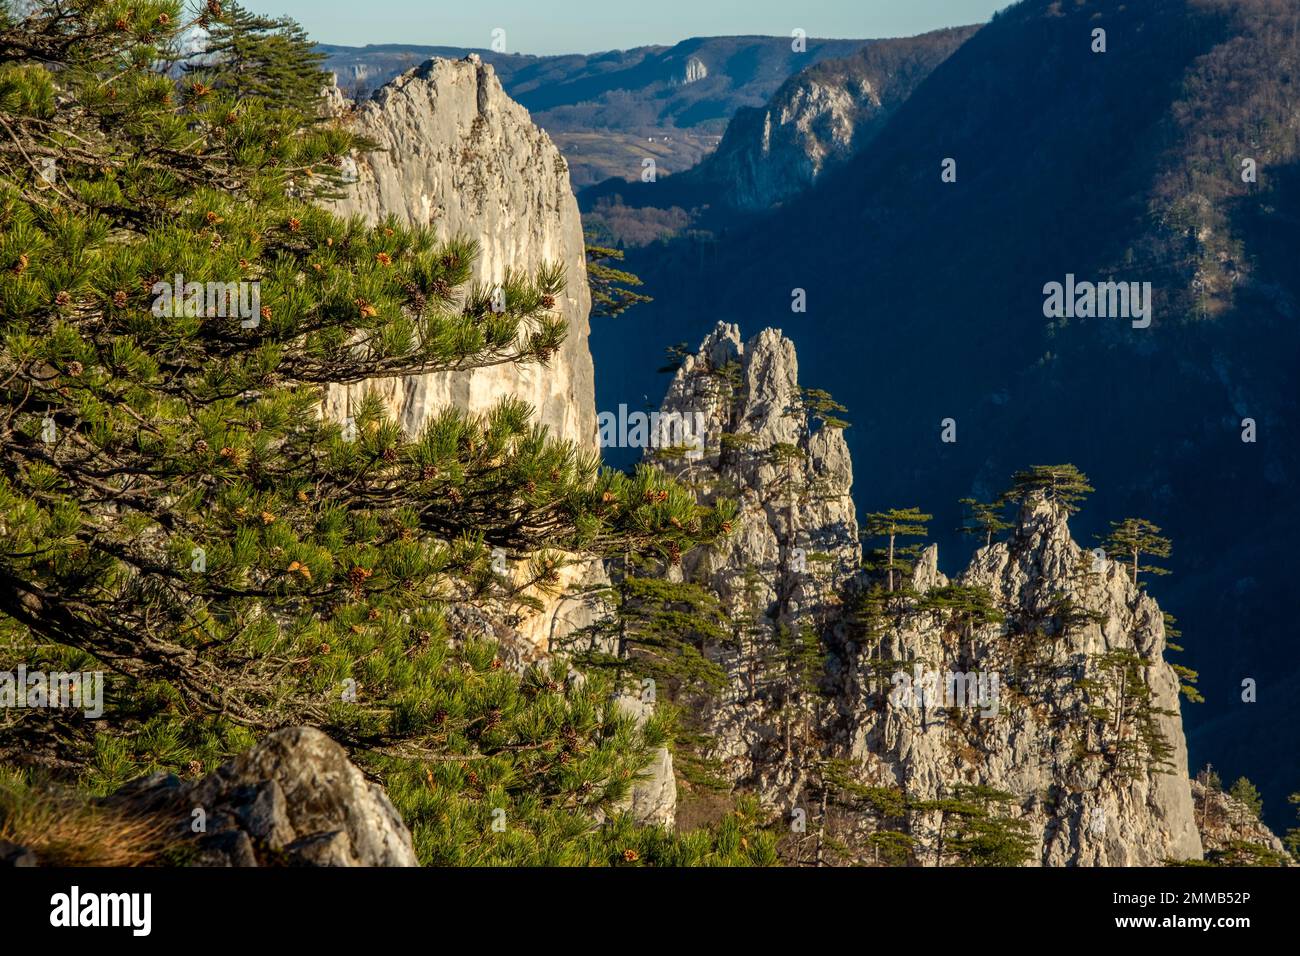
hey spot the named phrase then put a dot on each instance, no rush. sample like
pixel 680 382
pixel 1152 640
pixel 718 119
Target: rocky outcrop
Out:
pixel 292 800
pixel 795 545
pixel 1231 832
pixel 1096 786
pixel 457 155
pixel 653 800
pixel 695 70
pixel 1072 711
pixel 818 119
pixel 793 478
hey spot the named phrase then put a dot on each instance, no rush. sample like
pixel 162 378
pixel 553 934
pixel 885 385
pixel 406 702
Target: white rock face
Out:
pixel 771 154
pixel 461 157
pixel 795 546
pixel 695 70
pixel 1037 742
pixel 458 156
pixel 1228 826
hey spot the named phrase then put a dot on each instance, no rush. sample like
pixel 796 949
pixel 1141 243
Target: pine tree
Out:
pixel 1187 678
pixel 175 511
pixel 839 783
pixel 892 525
pixel 1126 714
pixel 249 55
pixel 818 405
pixel 657 629
pixel 984 519
pixel 1247 794
pixel 1135 538
pixel 1063 485
pixel 974 827
pixel 613 290
pixel 967 608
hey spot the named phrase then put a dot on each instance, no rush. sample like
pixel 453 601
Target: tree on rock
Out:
pixel 1136 538
pixel 1064 485
pixel 983 518
pixel 976 828
pixel 1247 794
pixel 890 526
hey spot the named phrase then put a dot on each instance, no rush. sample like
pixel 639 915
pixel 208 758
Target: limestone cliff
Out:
pixel 458 155
pixel 1092 792
pixel 794 547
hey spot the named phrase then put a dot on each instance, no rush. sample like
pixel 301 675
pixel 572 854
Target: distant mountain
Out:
pixel 1171 158
pixel 819 118
pixel 608 111
pixel 816 121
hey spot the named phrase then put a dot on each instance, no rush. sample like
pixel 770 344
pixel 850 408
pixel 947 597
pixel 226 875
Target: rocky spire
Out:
pixel 1072 709
pixel 1038 736
pixel 458 155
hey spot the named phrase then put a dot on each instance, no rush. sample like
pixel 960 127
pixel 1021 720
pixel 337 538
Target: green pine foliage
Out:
pixel 613 290
pixel 175 511
pixel 983 519
pixel 1237 854
pixel 976 828
pixel 658 629
pixel 891 560
pixel 885 808
pixel 1187 678
pixel 1247 794
pixel 1120 702
pixel 1134 539
pixel 249 55
pixel 1063 485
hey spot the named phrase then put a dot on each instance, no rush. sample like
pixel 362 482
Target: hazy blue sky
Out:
pixel 588 26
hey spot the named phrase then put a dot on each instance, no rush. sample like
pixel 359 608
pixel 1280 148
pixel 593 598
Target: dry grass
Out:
pixel 65 829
